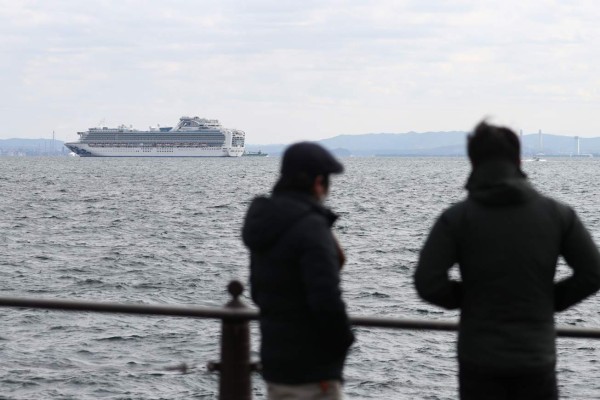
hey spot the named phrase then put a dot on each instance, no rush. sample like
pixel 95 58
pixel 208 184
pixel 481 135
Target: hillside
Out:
pixel 436 144
pixel 451 143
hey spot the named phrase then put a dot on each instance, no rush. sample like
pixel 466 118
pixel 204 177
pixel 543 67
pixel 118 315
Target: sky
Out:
pixel 285 70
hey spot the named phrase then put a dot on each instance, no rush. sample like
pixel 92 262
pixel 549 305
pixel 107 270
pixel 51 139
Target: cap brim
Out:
pixel 336 167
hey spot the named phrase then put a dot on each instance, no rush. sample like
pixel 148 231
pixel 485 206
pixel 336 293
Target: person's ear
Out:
pixel 318 187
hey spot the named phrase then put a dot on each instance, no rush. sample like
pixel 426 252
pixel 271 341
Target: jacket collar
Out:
pixel 499 182
pixel 313 204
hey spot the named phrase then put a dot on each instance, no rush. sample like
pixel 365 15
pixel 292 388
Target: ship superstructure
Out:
pixel 192 137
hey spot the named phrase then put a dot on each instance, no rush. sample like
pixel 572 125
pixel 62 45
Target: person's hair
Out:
pixel 301 182
pixel 489 142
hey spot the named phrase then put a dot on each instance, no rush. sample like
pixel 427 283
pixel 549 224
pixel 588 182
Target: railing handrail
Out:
pixel 131 308
pixel 245 314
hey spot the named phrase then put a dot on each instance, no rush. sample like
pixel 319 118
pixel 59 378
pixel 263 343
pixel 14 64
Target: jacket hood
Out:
pixel 269 217
pixel 499 183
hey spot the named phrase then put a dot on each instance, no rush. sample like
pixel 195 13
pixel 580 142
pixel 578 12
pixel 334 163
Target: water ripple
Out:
pixel 168 231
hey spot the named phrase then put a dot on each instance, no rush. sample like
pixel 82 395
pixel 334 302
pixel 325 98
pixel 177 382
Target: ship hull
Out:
pixel 85 150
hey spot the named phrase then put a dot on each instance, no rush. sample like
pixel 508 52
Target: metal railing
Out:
pixel 234 366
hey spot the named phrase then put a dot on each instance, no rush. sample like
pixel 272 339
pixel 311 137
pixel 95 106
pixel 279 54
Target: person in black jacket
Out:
pixel 295 264
pixel 506 239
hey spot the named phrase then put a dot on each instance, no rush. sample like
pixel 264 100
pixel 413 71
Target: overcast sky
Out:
pixel 289 70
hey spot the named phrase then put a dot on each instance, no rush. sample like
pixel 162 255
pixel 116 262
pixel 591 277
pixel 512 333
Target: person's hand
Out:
pixel 340 252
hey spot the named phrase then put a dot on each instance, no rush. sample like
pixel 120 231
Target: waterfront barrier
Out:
pixel 234 366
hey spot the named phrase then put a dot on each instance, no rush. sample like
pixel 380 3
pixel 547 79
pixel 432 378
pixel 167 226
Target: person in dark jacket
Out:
pixel 506 239
pixel 295 264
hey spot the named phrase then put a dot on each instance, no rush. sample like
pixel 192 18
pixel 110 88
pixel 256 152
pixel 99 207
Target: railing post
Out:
pixel 234 368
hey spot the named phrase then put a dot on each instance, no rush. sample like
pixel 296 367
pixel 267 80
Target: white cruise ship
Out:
pixel 192 137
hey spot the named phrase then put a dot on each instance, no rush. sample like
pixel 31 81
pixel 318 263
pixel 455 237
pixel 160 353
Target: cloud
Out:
pixel 317 68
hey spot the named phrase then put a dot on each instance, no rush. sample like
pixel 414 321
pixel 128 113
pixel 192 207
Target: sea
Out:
pixel 167 231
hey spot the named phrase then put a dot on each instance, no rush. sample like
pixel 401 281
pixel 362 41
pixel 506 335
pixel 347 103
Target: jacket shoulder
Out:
pixel 455 212
pixel 312 223
pixel 563 212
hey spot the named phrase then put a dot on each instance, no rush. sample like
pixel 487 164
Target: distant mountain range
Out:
pixel 436 144
pixel 451 143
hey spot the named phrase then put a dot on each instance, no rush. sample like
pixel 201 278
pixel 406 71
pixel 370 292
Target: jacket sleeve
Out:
pixel 438 255
pixel 581 254
pixel 320 268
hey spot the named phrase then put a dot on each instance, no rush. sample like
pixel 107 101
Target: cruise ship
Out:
pixel 192 137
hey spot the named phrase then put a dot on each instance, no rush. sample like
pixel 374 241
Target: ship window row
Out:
pixel 203 124
pixel 136 150
pixel 157 150
pixel 158 140
pixel 158 145
pixel 158 133
pixel 150 143
pixel 157 137
pixel 155 143
pixel 130 133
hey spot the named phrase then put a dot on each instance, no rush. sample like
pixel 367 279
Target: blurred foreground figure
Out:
pixel 295 264
pixel 506 239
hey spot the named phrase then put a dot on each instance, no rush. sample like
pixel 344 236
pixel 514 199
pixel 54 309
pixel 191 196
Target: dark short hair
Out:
pixel 489 142
pixel 309 158
pixel 302 183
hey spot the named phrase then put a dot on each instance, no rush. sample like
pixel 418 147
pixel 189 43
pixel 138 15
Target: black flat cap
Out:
pixel 309 158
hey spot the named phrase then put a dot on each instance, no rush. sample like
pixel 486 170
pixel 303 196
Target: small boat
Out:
pixel 254 154
pixel 537 158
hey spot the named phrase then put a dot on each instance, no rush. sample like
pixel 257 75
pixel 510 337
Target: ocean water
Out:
pixel 168 232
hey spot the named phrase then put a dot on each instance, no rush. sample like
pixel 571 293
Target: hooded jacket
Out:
pixel 294 279
pixel 506 239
